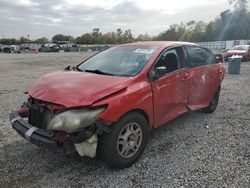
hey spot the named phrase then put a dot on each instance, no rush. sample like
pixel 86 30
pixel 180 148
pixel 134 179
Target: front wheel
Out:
pixel 213 103
pixel 126 142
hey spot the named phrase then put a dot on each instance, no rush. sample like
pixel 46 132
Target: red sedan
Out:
pixel 239 50
pixel 108 104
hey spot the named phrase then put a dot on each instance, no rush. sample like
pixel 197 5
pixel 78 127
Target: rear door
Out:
pixel 170 92
pixel 205 76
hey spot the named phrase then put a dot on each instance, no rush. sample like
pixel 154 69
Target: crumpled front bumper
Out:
pixel 40 137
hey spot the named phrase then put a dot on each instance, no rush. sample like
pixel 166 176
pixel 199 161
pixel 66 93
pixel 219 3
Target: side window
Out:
pixel 168 62
pixel 197 56
pixel 212 59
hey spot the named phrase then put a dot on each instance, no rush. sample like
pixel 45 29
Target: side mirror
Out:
pixel 160 71
pixel 68 68
pixel 157 72
pixel 217 59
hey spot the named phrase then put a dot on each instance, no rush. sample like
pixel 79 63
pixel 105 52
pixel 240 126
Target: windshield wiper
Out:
pixel 99 72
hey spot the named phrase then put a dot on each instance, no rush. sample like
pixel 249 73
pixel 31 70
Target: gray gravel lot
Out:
pixel 194 150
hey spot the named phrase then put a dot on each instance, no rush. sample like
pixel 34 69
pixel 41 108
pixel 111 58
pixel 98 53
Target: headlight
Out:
pixel 73 120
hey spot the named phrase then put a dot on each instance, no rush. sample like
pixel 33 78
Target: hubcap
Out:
pixel 129 140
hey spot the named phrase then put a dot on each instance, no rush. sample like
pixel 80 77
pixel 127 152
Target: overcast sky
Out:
pixel 40 18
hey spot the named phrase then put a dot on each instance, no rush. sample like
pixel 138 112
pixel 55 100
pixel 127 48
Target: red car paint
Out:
pixel 73 89
pixel 160 100
pixel 204 81
pixel 244 53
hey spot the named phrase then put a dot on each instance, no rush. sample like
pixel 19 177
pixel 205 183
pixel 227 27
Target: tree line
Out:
pixel 229 25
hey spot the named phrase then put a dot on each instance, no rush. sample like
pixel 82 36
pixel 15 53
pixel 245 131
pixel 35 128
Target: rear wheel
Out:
pixel 213 104
pixel 126 142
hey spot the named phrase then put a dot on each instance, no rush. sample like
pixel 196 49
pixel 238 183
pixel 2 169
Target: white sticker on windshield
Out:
pixel 144 51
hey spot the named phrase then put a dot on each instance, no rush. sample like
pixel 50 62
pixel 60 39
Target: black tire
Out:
pixel 213 104
pixel 109 149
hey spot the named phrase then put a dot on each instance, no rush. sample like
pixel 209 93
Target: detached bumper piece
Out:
pixel 42 138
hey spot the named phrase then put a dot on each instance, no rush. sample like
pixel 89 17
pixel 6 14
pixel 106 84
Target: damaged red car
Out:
pixel 239 50
pixel 108 104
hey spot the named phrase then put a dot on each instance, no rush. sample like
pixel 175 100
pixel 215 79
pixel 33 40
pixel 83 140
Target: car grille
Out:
pixel 39 116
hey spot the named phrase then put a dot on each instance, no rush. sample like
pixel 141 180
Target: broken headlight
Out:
pixel 75 119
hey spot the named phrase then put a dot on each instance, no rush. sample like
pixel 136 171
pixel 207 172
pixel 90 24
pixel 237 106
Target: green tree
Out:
pixel 42 40
pixel 143 37
pixel 195 33
pixel 213 30
pixel 108 38
pixel 241 5
pixel 119 35
pixel 127 36
pixel 61 37
pixel 174 33
pixel 86 38
pixel 235 24
pixel 96 34
pixel 8 41
pixel 24 40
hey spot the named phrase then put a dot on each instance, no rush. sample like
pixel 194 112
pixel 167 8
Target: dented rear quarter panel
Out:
pixel 205 80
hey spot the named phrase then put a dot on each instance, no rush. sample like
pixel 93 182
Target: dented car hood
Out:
pixel 73 88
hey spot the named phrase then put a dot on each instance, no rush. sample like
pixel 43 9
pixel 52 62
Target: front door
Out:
pixel 170 91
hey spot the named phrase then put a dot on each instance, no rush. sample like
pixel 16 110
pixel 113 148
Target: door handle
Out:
pixel 185 76
pixel 218 71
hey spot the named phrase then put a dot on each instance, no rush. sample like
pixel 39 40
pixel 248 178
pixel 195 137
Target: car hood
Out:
pixel 73 88
pixel 236 51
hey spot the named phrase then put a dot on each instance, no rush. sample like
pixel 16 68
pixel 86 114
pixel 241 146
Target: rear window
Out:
pixel 240 48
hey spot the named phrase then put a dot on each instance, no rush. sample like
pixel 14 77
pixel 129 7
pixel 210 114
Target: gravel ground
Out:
pixel 194 150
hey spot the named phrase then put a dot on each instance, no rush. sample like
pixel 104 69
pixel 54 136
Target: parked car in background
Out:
pixel 15 48
pixel 240 50
pixel 1 48
pixel 11 49
pixel 50 47
pixel 7 49
pixel 108 104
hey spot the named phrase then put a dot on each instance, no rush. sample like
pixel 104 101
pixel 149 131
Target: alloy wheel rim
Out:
pixel 129 140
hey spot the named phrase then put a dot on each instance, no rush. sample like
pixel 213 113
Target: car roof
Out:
pixel 160 43
pixel 245 45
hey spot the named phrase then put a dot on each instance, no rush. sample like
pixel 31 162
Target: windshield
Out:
pixel 245 47
pixel 119 61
